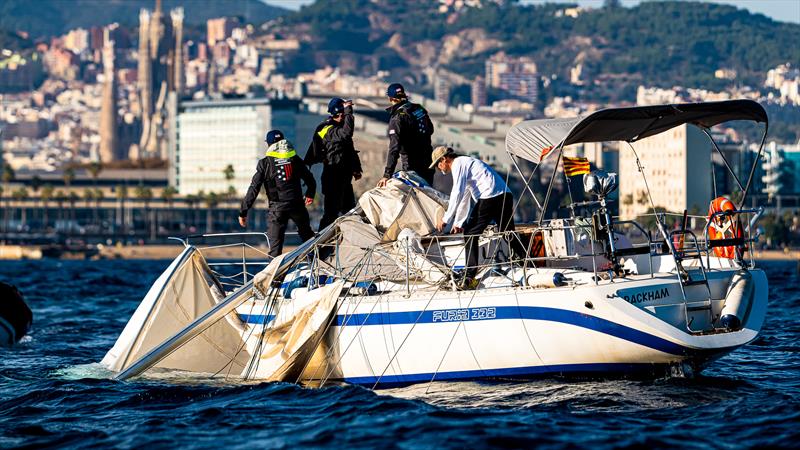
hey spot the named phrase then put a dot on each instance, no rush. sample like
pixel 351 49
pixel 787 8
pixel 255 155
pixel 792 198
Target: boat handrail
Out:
pixel 244 263
pixel 747 237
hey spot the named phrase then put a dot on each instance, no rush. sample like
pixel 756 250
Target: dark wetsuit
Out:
pixel 332 145
pixel 410 131
pixel 280 173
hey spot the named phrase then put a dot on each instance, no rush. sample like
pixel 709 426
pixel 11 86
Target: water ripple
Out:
pixel 52 392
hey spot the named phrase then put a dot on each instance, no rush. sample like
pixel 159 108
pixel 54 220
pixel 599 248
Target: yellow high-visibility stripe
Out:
pixel 282 155
pixel 321 133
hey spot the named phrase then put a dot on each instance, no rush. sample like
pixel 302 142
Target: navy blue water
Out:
pixel 48 396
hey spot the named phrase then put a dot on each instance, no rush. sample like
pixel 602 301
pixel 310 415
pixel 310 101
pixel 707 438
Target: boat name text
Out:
pixel 460 315
pixel 646 296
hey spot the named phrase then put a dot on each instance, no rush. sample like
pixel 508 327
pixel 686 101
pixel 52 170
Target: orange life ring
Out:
pixel 723 227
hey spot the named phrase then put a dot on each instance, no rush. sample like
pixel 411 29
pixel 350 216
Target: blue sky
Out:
pixel 782 10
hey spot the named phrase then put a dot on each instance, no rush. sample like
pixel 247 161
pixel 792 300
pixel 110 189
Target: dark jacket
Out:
pixel 332 144
pixel 410 130
pixel 280 173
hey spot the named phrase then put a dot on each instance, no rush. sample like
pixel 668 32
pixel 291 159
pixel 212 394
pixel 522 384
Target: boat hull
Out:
pixel 519 333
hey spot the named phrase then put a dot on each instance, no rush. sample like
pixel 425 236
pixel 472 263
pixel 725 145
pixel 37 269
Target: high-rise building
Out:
pixel 210 135
pixel 441 89
pixel 108 109
pixel 160 73
pixel 178 60
pixel 221 54
pixel 780 166
pixel 677 164
pixel 96 38
pixel 219 29
pixel 514 76
pixel 478 91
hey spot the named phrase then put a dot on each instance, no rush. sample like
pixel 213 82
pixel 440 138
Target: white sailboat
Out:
pixel 372 300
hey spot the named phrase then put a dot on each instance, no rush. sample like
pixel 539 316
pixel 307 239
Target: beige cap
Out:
pixel 439 153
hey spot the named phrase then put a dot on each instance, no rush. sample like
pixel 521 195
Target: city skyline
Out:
pixel 97 76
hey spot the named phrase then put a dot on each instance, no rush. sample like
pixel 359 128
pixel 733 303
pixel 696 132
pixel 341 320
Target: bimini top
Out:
pixel 531 138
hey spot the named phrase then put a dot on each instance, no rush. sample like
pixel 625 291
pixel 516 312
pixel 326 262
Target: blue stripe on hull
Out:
pixel 513 372
pixel 524 312
pixel 505 313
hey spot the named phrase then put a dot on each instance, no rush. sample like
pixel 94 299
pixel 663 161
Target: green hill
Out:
pixel 664 43
pixel 44 18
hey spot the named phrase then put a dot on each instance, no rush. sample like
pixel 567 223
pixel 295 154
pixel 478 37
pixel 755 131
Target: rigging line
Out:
pixel 514 233
pixel 659 219
pixel 755 164
pixel 550 185
pixel 526 181
pixel 569 189
pixel 244 340
pixel 646 186
pixel 714 179
pixel 452 338
pixel 359 265
pixel 249 369
pixel 229 365
pixel 327 375
pixel 724 159
pixel 252 368
pixel 419 316
pixel 525 327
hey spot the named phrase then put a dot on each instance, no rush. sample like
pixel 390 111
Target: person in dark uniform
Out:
pixel 332 145
pixel 280 172
pixel 410 130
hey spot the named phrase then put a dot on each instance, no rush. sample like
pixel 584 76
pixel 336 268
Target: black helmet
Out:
pixel 336 106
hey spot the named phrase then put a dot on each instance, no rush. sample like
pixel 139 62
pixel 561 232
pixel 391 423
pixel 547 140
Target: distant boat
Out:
pixel 15 316
pixel 373 299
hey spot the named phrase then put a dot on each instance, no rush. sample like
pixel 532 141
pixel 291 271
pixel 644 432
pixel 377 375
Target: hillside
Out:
pixel 660 43
pixel 44 18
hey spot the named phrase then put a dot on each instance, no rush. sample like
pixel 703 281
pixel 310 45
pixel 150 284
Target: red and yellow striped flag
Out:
pixel 575 166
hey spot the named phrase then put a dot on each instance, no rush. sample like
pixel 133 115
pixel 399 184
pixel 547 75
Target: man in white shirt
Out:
pixel 494 203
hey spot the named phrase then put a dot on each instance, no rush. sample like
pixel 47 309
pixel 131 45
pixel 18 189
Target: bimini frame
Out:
pixel 536 139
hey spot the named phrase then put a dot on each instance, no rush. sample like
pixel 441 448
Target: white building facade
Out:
pixel 210 135
pixel 677 164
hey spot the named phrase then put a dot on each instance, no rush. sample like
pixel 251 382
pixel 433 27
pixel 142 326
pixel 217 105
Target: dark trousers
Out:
pixel 337 189
pixel 425 173
pixel 278 218
pixel 499 210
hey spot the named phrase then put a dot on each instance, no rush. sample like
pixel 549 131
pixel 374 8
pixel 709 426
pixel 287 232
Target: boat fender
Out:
pixel 546 280
pixel 15 316
pixel 737 300
pixel 364 288
pixel 299 282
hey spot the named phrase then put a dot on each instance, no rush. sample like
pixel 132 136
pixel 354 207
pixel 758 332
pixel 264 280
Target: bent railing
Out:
pixel 229 261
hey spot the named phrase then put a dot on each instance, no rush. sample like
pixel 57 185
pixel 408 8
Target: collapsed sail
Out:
pixel 289 346
pixel 402 205
pixel 184 292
